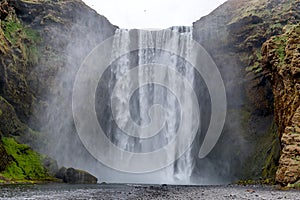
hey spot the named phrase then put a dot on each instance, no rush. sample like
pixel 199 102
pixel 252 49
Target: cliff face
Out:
pixel 38 39
pixel 233 34
pixel 67 31
pixel 281 59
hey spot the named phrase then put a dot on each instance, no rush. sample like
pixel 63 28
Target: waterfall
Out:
pixel 148 95
pixel 138 101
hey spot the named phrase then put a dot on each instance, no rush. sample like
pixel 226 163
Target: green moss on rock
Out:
pixel 294 185
pixel 266 157
pixel 19 48
pixel 272 155
pixel 271 163
pixel 281 42
pixel 11 30
pixel 26 163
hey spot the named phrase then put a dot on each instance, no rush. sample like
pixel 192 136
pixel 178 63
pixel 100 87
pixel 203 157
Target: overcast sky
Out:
pixel 153 13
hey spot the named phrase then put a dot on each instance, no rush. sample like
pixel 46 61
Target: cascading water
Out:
pixel 147 95
pixel 138 101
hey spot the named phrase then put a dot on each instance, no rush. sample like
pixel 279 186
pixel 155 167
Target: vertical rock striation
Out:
pixel 233 34
pixel 281 60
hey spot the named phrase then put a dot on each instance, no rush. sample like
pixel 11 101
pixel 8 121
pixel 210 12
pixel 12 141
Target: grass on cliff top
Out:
pixel 262 8
pixel 26 164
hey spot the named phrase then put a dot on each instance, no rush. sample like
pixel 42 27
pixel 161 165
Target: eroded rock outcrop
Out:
pixel 76 176
pixel 233 35
pixel 4 158
pixel 281 59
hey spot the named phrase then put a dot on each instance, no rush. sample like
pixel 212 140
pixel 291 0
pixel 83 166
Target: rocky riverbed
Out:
pixel 119 191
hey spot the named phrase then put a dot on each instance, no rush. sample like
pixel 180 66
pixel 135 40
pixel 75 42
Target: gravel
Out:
pixel 136 192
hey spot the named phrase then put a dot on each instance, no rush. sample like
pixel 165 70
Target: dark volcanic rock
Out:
pixel 60 174
pixel 10 124
pixel 51 165
pixel 4 158
pixel 76 176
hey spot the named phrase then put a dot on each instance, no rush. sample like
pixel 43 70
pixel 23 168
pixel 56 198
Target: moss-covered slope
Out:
pixel 25 164
pixel 18 54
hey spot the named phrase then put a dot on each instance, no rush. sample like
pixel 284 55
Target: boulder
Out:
pixel 76 176
pixel 51 165
pixel 61 173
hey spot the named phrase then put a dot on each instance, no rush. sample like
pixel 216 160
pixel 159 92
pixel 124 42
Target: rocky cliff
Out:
pixel 281 59
pixel 36 38
pixel 233 34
